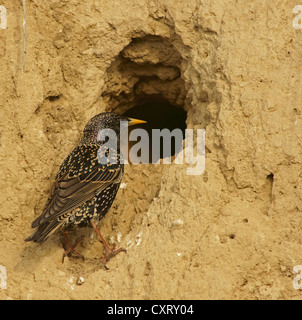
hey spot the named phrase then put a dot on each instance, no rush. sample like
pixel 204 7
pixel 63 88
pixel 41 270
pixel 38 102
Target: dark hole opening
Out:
pixel 54 98
pixel 270 177
pixel 159 114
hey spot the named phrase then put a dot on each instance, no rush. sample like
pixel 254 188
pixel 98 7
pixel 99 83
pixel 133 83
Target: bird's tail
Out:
pixel 44 230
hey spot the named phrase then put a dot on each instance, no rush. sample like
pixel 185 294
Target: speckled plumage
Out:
pixel 84 189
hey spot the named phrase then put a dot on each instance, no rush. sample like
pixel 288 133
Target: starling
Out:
pixel 86 185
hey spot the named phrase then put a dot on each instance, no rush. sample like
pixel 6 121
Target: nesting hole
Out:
pixel 159 114
pixel 145 82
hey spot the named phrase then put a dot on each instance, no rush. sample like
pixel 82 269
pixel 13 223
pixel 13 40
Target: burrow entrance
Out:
pixel 144 82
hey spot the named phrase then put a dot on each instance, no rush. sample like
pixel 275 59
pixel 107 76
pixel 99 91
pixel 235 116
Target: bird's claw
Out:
pixel 68 248
pixel 111 253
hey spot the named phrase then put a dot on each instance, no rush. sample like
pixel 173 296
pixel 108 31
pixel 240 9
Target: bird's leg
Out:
pixel 70 248
pixel 109 252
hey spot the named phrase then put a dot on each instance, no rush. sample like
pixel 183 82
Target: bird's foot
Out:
pixel 110 253
pixel 68 248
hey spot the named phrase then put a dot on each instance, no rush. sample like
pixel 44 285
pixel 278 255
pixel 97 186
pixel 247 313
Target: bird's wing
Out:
pixel 80 178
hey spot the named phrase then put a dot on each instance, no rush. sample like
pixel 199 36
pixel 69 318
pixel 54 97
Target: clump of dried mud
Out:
pixel 234 68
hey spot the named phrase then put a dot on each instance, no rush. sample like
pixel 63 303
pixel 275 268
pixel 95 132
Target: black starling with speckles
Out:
pixel 85 186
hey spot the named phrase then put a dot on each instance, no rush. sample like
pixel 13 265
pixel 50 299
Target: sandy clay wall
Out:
pixel 232 68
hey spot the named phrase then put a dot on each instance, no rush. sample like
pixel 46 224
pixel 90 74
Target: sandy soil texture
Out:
pixel 234 69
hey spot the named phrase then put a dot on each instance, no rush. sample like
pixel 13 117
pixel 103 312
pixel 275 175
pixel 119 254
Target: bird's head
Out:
pixel 104 124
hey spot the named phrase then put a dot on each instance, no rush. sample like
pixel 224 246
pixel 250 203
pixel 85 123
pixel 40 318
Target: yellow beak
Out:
pixel 135 121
